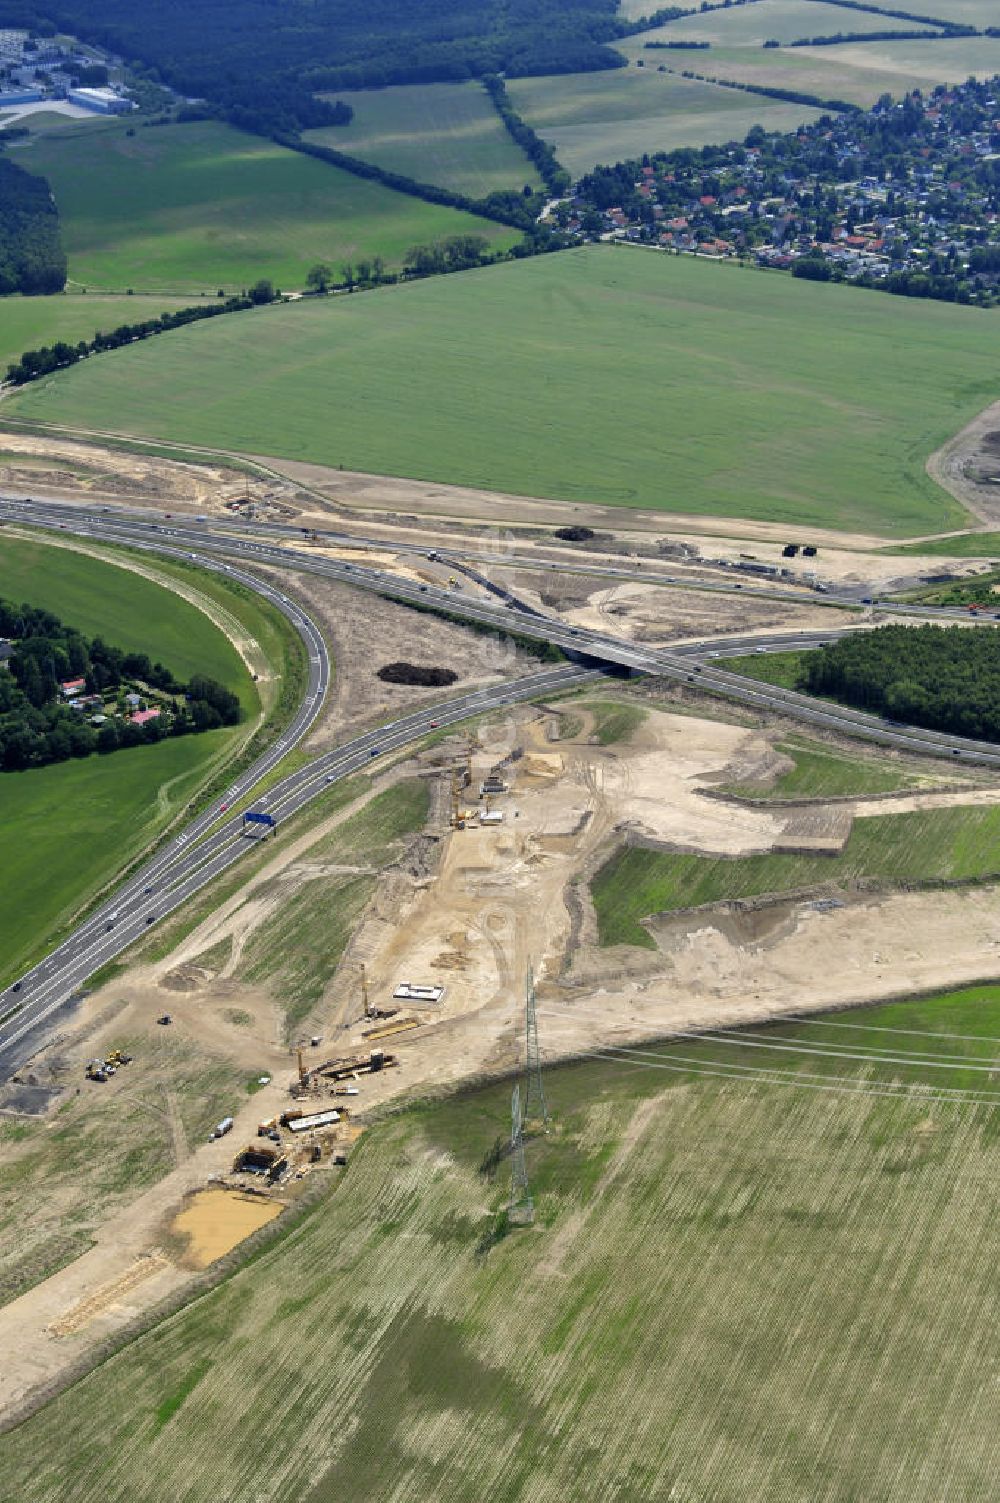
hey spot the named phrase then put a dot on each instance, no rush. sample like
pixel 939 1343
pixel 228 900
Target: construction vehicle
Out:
pixel 353 1066
pixel 459 817
pixel 165 1020
pixel 370 1010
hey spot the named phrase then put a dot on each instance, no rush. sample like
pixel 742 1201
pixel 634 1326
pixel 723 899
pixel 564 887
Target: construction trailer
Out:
pixel 309 1121
pixel 427 996
pixel 492 784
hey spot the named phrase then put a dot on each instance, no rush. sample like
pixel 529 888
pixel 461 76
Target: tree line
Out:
pixel 32 259
pixel 555 177
pixel 37 722
pixel 945 678
pixel 35 363
pixel 263 61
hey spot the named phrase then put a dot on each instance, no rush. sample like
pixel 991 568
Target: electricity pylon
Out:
pixel 535 1109
pixel 521 1209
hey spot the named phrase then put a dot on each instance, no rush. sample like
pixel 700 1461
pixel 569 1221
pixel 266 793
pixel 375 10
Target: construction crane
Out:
pixel 367 1010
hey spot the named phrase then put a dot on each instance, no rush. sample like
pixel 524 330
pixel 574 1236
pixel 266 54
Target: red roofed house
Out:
pixel 71 686
pixel 141 716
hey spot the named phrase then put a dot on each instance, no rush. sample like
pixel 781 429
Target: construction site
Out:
pixel 444 876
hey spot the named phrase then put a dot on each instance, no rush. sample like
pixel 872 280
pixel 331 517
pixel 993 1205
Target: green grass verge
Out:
pixel 298 948
pixel 29 323
pixel 966 545
pixel 727 1279
pixel 928 846
pixel 780 668
pixel 445 133
pixel 820 773
pixel 981 589
pixel 197 207
pixel 627 355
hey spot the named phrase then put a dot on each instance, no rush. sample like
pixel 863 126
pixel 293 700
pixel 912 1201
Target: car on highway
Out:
pixel 374 751
pixel 223 808
pixel 435 724
pixel 150 917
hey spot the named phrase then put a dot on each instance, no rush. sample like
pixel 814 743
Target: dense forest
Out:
pixel 946 678
pixel 32 259
pixel 62 695
pixel 262 59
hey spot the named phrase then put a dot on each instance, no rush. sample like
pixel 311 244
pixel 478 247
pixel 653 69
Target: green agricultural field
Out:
pixel 980 13
pixel 72 826
pixel 121 606
pixel 198 207
pixel 607 117
pixel 930 845
pixel 29 323
pixel 766 1284
pixel 858 72
pixel 615 375
pixel 448 134
pixel 765 20
pixel 821 773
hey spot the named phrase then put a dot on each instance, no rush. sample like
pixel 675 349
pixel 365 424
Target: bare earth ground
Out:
pixel 415 512
pixel 365 632
pixel 471 921
pixel 968 466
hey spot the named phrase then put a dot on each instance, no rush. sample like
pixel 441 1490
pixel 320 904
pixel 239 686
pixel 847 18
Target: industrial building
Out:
pixel 11 97
pixel 101 101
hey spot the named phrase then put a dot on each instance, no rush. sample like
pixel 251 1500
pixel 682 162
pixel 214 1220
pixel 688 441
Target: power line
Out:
pixel 838 1085
pixel 736 1038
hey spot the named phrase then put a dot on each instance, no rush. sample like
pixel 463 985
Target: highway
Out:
pixel 208 846
pixel 207 541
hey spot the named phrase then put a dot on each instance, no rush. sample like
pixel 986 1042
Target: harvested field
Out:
pixel 805 1340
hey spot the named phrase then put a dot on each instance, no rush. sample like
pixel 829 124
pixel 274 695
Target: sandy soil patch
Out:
pixel 968 465
pixel 353 489
pixel 216 1221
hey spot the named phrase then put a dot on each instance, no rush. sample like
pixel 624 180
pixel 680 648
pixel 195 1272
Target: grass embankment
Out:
pixel 928 846
pixel 779 668
pixel 29 323
pixel 965 545
pixel 299 947
pixel 733 1290
pixel 445 133
pixel 614 722
pixel 100 1150
pixel 73 826
pixel 198 207
pixel 820 773
pixel 627 355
